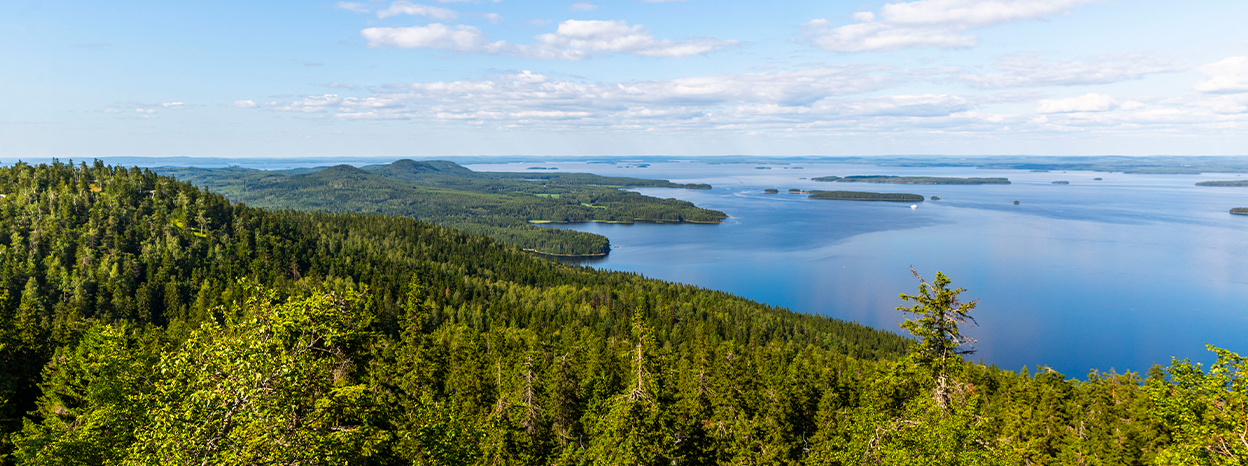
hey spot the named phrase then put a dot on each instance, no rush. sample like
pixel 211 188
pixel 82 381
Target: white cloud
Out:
pixel 404 7
pixel 352 7
pixel 146 109
pixel 583 6
pixel 927 23
pixel 493 18
pixel 1031 70
pixel 1085 103
pixel 573 40
pixel 1132 105
pixel 1226 76
pixel 1226 104
pixel 466 39
pixel 244 104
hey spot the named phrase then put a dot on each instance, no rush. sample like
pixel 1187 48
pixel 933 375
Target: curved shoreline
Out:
pixel 601 254
pixel 620 222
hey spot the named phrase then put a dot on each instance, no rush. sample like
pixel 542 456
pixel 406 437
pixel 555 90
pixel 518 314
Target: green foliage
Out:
pixel 865 196
pixel 1240 211
pixel 1229 183
pixel 278 387
pixel 91 399
pixel 1206 411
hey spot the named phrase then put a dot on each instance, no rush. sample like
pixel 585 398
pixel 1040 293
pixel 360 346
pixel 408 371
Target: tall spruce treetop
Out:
pixel 939 316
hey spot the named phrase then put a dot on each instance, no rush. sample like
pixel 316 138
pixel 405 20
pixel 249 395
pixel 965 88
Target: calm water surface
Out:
pixel 1113 274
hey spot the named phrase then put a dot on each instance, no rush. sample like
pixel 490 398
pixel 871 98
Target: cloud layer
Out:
pixel 851 99
pixel 573 40
pixel 1031 70
pixel 927 23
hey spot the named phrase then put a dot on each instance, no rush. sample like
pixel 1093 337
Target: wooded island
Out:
pixel 865 196
pixel 911 179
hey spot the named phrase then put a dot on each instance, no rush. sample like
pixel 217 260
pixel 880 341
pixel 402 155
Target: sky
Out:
pixel 630 77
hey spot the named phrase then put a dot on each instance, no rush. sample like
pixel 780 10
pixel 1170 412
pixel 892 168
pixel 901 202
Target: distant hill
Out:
pixel 499 205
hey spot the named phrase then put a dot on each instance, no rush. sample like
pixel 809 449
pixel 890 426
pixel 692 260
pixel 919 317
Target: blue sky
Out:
pixel 629 77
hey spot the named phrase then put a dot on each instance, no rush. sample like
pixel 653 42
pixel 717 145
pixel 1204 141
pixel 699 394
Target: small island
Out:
pixel 935 198
pixel 794 191
pixel 1015 202
pixel 865 196
pixel 912 179
pixel 771 191
pixel 1096 179
pixel 1231 183
pixel 1240 211
pixel 1061 182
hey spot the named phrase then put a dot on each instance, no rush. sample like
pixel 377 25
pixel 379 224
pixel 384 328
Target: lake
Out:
pixel 1113 274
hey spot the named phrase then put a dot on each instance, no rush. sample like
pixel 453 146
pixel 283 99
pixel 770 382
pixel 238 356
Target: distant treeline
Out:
pixel 865 196
pixel 911 179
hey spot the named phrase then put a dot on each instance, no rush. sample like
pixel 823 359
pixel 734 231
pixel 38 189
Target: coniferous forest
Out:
pixel 144 320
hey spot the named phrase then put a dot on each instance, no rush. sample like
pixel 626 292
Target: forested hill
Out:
pixel 113 256
pixel 146 321
pixel 498 205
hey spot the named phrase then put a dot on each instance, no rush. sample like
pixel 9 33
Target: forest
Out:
pixel 502 206
pixel 150 321
pixel 865 196
pixel 1230 183
pixel 911 179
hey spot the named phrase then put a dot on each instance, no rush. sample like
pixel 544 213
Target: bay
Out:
pixel 1117 274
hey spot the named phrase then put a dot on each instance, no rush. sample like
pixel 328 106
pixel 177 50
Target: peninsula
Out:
pixel 1240 211
pixel 500 205
pixel 1230 183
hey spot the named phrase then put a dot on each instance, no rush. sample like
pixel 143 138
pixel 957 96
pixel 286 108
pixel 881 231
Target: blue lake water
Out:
pixel 1113 274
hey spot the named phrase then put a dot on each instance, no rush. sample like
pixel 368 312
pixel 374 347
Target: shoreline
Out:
pixel 601 254
pixel 604 254
pixel 677 222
